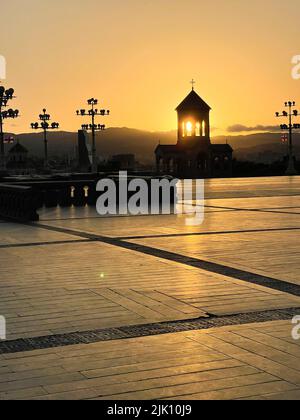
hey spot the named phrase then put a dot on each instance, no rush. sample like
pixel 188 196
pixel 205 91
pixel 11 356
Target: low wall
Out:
pixel 20 200
pixel 18 203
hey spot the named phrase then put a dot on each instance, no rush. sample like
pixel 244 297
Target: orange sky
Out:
pixel 138 56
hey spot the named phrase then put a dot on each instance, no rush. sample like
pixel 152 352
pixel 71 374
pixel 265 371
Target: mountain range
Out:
pixel 260 147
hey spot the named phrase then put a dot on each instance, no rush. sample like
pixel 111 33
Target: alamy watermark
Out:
pixel 154 196
pixel 296 328
pixel 2 67
pixel 2 328
pixel 296 67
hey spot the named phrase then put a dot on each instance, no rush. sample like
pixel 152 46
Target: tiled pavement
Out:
pixel 62 280
pixel 50 289
pixel 253 361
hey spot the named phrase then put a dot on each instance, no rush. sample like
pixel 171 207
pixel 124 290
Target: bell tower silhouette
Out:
pixel 194 156
pixel 193 121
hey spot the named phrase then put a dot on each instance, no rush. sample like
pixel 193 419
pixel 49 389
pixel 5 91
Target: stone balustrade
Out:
pixel 19 203
pixel 19 200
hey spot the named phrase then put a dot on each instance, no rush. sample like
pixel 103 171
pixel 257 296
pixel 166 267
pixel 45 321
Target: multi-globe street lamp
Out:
pixel 5 97
pixel 290 127
pixel 45 125
pixel 93 127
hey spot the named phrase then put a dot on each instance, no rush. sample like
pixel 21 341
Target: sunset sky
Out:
pixel 138 57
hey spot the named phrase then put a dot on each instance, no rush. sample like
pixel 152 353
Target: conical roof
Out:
pixel 193 101
pixel 18 148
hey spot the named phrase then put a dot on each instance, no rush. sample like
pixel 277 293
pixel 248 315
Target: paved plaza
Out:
pixel 150 308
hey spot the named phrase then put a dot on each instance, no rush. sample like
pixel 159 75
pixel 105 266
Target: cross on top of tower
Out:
pixel 193 82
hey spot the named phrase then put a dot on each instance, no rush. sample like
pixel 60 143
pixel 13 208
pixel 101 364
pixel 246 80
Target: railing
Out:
pixel 65 193
pixel 18 203
pixel 20 200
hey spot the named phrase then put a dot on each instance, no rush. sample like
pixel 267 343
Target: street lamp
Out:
pixel 45 125
pixel 290 127
pixel 93 127
pixel 5 97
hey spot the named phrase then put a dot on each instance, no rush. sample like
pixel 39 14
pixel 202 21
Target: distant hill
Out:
pixel 262 147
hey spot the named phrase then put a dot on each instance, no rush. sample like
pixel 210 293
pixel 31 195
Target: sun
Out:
pixel 189 127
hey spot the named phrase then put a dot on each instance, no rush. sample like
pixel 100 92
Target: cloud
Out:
pixel 238 128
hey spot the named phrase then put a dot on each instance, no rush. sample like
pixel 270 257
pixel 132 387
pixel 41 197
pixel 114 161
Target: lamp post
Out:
pixel 93 127
pixel 5 97
pixel 45 125
pixel 290 127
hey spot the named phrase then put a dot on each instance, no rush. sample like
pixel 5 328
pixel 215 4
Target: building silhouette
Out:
pixel 84 152
pixel 124 162
pixel 18 160
pixel 194 156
